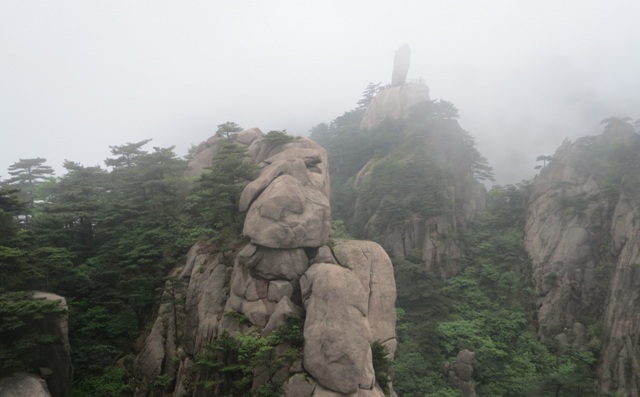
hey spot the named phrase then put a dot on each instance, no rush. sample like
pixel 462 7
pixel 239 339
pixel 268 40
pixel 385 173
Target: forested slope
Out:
pixel 480 312
pixel 103 238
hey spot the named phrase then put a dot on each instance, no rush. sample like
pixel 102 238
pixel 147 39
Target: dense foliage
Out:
pixel 233 360
pixel 488 310
pixel 105 239
pixel 406 163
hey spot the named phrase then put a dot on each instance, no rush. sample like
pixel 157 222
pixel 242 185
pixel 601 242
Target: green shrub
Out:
pixel 278 137
pixel 19 338
pixel 382 366
pixel 110 384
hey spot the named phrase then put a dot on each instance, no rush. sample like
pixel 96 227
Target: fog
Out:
pixel 78 76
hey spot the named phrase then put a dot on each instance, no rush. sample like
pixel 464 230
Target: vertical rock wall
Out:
pixel 583 237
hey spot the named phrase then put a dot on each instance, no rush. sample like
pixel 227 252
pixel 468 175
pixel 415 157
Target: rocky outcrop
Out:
pixel 454 196
pixel 583 239
pixel 460 373
pixel 23 384
pixel 345 290
pixel 287 210
pixel 50 363
pixel 207 150
pixel 401 65
pixel 373 268
pixel 394 103
pixel 337 351
pixel 54 359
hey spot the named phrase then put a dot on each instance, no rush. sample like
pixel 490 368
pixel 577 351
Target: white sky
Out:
pixel 78 76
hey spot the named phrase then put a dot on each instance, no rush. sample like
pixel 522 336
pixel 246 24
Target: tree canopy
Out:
pixel 228 130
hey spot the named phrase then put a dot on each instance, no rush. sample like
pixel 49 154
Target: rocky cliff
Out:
pixel 583 238
pixel 407 175
pixel 286 277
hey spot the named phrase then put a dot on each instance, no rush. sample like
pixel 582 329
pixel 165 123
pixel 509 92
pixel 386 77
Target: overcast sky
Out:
pixel 79 76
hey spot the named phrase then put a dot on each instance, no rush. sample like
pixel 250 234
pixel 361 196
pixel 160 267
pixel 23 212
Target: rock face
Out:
pixel 562 242
pixel 401 65
pixel 373 268
pixel 431 236
pixel 287 209
pixel 583 238
pixel 345 290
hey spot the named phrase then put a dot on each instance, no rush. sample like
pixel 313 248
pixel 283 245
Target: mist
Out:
pixel 78 77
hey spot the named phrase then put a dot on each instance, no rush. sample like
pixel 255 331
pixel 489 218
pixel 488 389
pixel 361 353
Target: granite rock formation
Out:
pixel 583 238
pixel 344 289
pixel 446 145
pixel 401 65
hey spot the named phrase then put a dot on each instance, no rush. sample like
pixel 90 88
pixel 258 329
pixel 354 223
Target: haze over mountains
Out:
pixel 524 75
pixel 517 290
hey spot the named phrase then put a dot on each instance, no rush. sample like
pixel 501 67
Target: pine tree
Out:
pixel 25 175
pixel 228 130
pixel 213 206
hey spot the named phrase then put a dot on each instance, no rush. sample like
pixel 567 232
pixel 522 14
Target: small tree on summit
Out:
pixel 228 130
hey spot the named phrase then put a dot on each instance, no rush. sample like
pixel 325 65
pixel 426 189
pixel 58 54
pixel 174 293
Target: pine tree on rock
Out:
pixel 228 130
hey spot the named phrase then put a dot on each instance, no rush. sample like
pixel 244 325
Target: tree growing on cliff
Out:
pixel 213 205
pixel 228 130
pixel 368 94
pixel 544 159
pixel 126 154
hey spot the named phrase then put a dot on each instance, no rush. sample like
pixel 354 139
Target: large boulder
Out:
pixel 299 386
pixel 337 349
pixel 372 266
pixel 55 358
pixel 207 150
pixel 22 384
pixel 288 204
pixel 274 264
